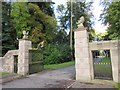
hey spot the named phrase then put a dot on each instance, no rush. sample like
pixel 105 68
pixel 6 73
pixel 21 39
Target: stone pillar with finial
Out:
pixel 23 56
pixel 82 60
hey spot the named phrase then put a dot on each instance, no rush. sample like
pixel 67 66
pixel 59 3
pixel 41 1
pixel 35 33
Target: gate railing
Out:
pixel 35 61
pixel 102 64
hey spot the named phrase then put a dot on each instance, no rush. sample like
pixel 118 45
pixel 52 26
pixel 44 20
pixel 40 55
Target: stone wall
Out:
pixel 1 59
pixel 7 62
pixel 102 45
pixel 114 47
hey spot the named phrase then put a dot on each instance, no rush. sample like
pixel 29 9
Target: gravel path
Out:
pixel 61 78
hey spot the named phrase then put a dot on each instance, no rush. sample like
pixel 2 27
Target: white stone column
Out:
pixel 82 58
pixel 23 56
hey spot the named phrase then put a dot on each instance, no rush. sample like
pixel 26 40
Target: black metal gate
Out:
pixel 35 61
pixel 15 64
pixel 102 64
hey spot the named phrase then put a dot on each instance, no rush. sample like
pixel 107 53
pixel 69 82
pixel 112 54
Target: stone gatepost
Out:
pixel 82 60
pixel 82 57
pixel 23 55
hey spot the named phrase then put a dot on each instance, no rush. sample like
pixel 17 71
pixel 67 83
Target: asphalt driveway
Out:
pixel 60 78
pixel 52 78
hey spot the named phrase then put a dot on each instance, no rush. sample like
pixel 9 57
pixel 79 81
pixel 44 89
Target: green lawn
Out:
pixel 117 86
pixel 57 66
pixel 105 60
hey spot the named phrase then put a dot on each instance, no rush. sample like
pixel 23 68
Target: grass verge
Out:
pixel 4 73
pixel 117 86
pixel 57 66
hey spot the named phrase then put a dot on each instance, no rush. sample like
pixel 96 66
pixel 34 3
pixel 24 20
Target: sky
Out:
pixel 97 10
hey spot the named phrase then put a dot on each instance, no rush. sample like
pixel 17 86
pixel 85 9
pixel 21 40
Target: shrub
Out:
pixel 53 54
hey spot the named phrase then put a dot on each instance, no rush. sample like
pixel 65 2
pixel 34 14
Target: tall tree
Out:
pixel 111 18
pixel 61 37
pixel 46 7
pixel 43 26
pixel 30 17
pixel 78 9
pixel 8 34
pixel 20 17
pixel 68 16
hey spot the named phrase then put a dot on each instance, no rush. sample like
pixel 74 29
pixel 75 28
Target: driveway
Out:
pixel 45 79
pixel 60 78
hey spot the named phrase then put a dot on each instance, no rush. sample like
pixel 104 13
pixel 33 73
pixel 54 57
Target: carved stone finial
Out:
pixel 25 35
pixel 80 22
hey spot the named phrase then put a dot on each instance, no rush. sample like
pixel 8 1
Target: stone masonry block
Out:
pixel 82 61
pixel 80 34
pixel 114 60
pixel 83 72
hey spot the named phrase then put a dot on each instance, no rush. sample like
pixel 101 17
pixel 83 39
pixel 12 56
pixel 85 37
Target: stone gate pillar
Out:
pixel 82 60
pixel 23 55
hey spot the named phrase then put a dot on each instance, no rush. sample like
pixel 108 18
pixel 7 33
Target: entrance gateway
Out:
pixel 96 60
pixel 102 64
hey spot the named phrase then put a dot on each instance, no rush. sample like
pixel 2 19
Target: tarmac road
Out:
pixel 60 78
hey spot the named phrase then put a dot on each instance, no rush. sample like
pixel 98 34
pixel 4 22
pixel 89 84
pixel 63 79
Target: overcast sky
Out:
pixel 97 10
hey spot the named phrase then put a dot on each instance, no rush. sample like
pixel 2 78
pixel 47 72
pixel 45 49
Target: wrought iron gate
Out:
pixel 102 64
pixel 35 61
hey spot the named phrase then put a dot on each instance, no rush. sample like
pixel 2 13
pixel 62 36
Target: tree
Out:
pixel 21 16
pixel 46 7
pixel 73 12
pixel 43 26
pixel 30 17
pixel 61 37
pixel 102 36
pixel 92 35
pixel 111 18
pixel 9 40
pixel 79 9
